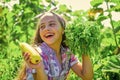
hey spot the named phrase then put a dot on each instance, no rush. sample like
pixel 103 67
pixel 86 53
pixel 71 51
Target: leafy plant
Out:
pixel 83 36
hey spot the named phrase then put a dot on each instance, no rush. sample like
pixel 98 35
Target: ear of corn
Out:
pixel 34 52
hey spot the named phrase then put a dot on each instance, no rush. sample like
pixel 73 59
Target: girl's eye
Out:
pixel 51 24
pixel 42 26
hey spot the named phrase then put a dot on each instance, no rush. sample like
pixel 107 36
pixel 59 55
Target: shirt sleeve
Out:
pixel 73 60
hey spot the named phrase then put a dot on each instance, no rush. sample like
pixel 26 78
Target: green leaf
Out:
pixel 63 8
pixel 115 8
pixel 27 10
pixel 7 0
pixel 115 1
pixel 117 26
pixel 96 3
pixel 48 1
pixel 9 17
pixel 112 64
pixel 111 70
pixel 101 18
pixel 5 10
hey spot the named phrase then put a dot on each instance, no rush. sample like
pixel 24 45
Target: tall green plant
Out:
pixel 110 40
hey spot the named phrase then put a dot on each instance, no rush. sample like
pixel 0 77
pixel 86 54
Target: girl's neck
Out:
pixel 56 48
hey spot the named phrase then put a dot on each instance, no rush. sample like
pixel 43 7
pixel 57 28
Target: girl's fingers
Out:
pixel 27 59
pixel 26 56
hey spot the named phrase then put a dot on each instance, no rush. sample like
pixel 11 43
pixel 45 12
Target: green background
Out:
pixel 99 41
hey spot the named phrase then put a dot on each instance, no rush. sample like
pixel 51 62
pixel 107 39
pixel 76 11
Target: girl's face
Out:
pixel 50 29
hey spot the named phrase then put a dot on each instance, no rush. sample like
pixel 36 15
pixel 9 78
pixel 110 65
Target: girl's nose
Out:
pixel 47 28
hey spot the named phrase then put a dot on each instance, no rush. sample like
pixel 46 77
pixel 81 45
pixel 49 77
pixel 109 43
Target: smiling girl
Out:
pixel 57 58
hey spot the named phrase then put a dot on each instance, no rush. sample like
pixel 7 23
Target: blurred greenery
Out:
pixel 20 24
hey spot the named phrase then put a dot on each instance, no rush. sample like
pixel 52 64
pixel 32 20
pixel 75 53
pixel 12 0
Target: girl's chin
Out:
pixel 49 41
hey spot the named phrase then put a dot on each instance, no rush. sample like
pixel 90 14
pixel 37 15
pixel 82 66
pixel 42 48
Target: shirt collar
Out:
pixel 47 49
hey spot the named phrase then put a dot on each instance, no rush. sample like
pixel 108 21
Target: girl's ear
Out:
pixel 63 32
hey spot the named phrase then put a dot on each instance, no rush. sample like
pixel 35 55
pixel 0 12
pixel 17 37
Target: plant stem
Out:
pixel 111 22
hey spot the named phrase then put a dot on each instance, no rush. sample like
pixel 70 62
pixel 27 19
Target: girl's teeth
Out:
pixel 48 35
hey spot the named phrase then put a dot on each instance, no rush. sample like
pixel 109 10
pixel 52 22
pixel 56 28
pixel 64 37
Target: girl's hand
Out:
pixel 26 57
pixel 40 73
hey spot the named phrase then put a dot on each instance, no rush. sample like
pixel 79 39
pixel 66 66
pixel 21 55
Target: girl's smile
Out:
pixel 49 35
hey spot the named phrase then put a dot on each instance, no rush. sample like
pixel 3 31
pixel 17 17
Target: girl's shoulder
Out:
pixel 72 58
pixel 68 52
